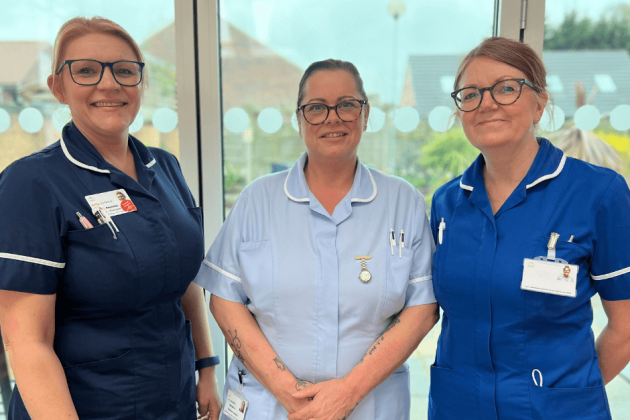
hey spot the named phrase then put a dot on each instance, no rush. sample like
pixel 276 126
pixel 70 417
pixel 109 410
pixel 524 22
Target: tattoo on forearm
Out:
pixel 300 384
pixel 380 339
pixel 280 364
pixel 235 344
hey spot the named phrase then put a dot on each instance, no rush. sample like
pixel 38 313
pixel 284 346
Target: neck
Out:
pixel 114 149
pixel 330 180
pixel 508 165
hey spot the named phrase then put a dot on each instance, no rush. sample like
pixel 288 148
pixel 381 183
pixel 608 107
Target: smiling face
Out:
pixel 566 272
pixel 334 139
pixel 493 125
pixel 104 110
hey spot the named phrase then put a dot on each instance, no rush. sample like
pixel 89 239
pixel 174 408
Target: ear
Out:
pixel 541 103
pixel 55 86
pixel 366 116
pixel 299 121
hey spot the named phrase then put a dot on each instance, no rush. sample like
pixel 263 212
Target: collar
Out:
pixel 363 187
pixel 82 153
pixel 548 164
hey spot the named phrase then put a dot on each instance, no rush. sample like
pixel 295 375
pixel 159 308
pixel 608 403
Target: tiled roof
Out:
pixel 429 72
pixel 18 58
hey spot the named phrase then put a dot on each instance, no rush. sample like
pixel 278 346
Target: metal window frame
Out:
pixel 528 15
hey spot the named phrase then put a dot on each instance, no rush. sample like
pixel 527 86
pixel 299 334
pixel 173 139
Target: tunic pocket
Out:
pixel 104 389
pixel 398 269
pixel 569 403
pixel 451 396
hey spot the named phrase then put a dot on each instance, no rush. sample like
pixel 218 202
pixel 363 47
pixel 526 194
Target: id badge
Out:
pixel 235 406
pixel 115 202
pixel 549 277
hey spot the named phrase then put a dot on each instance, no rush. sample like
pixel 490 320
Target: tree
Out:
pixel 581 34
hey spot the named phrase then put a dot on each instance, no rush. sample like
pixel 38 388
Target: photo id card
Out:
pixel 549 277
pixel 114 202
pixel 235 406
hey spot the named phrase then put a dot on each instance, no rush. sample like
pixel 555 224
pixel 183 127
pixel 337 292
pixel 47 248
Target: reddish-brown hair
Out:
pixel 513 53
pixel 80 26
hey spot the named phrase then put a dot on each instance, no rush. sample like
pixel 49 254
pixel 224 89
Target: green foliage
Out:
pixel 582 34
pixel 231 178
pixel 162 77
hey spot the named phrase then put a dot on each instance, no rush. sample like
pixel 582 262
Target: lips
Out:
pixel 108 104
pixel 489 122
pixel 334 135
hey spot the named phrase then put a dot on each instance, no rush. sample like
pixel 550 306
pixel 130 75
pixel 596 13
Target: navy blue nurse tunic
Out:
pixel 495 335
pixel 120 332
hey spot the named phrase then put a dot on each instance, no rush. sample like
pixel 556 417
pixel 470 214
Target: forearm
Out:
pixel 613 350
pixel 392 348
pixel 42 382
pixel 253 350
pixel 194 307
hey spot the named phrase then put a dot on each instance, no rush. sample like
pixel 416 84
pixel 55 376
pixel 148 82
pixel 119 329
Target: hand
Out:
pixel 290 402
pixel 208 399
pixel 331 400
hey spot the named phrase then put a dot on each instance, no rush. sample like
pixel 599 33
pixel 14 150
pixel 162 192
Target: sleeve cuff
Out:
pixel 220 283
pixel 420 292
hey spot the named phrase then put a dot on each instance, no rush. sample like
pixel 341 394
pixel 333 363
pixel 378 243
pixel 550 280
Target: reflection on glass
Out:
pixel 587 117
pixel 164 120
pixel 31 120
pixel 270 120
pixel 5 120
pixel 441 118
pixel 547 123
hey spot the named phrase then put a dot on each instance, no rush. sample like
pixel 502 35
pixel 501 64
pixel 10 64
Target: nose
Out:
pixel 333 118
pixel 487 101
pixel 108 81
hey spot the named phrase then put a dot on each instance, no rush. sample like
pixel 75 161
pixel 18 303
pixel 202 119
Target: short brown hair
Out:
pixel 79 26
pixel 513 53
pixel 331 65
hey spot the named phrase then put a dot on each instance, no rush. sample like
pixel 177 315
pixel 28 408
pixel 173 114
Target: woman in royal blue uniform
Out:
pixel 516 343
pixel 94 315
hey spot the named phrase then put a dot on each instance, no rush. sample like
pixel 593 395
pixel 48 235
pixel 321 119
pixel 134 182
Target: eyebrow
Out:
pixel 322 100
pixel 498 79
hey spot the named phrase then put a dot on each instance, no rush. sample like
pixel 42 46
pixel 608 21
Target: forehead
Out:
pixel 484 71
pixel 102 47
pixel 330 85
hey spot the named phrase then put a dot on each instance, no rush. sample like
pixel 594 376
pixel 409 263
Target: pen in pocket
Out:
pixel 84 222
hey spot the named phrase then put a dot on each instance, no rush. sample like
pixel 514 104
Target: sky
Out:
pixel 360 31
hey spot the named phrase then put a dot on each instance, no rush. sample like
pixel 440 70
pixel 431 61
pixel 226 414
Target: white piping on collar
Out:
pixel 151 163
pixel 286 191
pixel 76 162
pixel 553 175
pixel 466 187
pixel 370 198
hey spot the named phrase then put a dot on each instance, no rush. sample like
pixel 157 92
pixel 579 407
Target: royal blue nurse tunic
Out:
pixel 294 266
pixel 494 335
pixel 120 332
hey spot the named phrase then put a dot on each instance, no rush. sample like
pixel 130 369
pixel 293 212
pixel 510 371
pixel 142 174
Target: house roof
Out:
pixel 19 57
pixel 429 77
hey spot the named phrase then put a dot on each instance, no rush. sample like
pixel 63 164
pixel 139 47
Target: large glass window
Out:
pixel 587 55
pixel 31 118
pixel 407 56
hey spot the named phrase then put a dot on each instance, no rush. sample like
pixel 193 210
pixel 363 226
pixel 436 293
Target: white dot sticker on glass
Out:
pixel 587 117
pixel 270 120
pixel 376 120
pixel 294 122
pixel 236 120
pixel 31 120
pixel 441 118
pixel 137 124
pixel 620 117
pixel 547 124
pixel 406 119
pixel 5 120
pixel 164 120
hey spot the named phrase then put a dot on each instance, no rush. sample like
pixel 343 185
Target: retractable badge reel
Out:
pixel 548 274
pixel 236 404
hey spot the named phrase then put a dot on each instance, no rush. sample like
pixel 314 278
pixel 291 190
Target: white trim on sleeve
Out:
pixel 419 279
pixel 225 273
pixel 611 275
pixel 32 260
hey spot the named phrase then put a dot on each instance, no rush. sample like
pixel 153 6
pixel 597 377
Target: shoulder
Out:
pixel 395 185
pixel 446 195
pixel 36 166
pixel 266 186
pixel 591 179
pixel 165 159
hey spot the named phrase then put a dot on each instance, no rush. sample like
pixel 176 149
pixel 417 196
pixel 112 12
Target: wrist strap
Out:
pixel 206 362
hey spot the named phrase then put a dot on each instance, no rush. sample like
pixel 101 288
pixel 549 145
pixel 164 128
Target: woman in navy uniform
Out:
pixel 94 316
pixel 515 345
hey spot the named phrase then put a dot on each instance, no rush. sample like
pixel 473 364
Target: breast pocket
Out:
pixel 256 261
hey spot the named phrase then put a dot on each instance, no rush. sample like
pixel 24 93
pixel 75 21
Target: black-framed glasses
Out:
pixel 317 113
pixel 504 92
pixel 90 72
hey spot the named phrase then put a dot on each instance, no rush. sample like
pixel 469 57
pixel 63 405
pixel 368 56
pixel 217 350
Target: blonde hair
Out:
pixel 80 26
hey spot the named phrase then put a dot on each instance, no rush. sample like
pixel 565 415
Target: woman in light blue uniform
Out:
pixel 516 343
pixel 94 316
pixel 322 274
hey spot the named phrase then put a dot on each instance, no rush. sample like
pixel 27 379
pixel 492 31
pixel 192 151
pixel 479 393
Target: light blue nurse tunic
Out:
pixel 293 265
pixel 495 336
